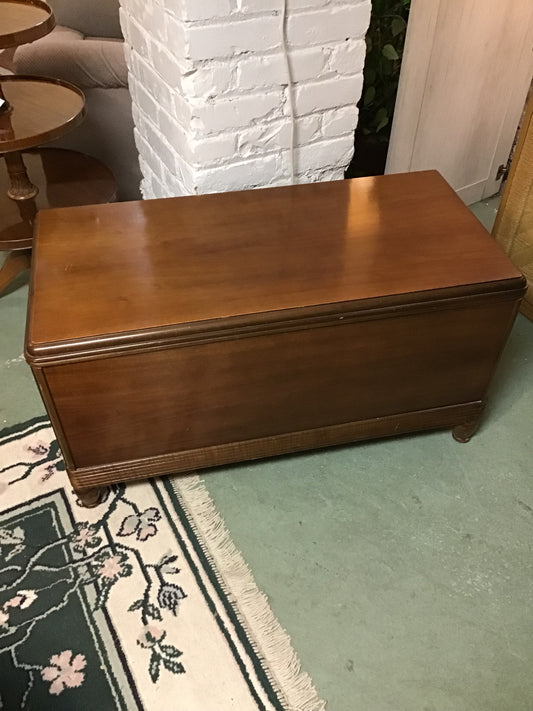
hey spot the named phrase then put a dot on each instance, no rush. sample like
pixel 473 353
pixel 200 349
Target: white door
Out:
pixel 466 71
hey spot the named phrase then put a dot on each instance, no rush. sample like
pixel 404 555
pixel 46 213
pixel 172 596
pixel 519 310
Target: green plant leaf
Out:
pixel 387 67
pixel 397 26
pixel 370 75
pixel 370 95
pixel 381 124
pixel 381 119
pixel 389 52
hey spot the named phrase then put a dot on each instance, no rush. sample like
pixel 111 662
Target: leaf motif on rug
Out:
pixel 132 605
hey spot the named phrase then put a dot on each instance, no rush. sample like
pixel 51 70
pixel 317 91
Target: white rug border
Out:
pixel 269 640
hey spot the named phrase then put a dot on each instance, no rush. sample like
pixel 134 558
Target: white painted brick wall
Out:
pixel 210 96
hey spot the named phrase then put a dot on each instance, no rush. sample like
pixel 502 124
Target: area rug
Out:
pixel 140 603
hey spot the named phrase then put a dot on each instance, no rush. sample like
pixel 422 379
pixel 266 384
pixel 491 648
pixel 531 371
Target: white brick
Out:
pixel 307 63
pixel 300 4
pixel 146 102
pixel 174 187
pixel 316 176
pixel 328 25
pixel 153 20
pixel 139 39
pixel 209 80
pixel 349 57
pixel 175 134
pixel 340 91
pixel 160 147
pixel 210 97
pixel 224 114
pixel 185 174
pixel 261 71
pixel 138 116
pixel 210 150
pixel 192 10
pixel 166 66
pixel 149 79
pixel 158 190
pixel 177 38
pixel 182 109
pixel 150 17
pixel 324 154
pixel 238 176
pixel 124 23
pixel 339 121
pixel 254 35
pixel 277 135
pixel 259 5
pixel 150 158
pixel 270 70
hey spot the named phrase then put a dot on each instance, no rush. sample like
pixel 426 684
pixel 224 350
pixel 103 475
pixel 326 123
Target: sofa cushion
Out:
pixel 65 54
pixel 97 18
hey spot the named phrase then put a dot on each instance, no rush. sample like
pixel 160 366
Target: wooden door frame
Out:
pixel 420 37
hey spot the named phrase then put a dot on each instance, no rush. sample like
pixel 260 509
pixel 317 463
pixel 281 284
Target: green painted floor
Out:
pixel 403 568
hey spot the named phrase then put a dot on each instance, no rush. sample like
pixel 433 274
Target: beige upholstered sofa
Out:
pixel 87 49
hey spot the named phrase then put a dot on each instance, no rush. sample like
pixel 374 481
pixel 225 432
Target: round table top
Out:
pixel 23 21
pixel 42 110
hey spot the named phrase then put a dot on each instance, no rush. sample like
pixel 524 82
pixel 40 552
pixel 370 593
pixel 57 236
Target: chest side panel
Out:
pixel 156 402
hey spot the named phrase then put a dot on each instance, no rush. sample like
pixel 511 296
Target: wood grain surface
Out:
pixel 148 404
pixel 64 178
pixel 42 110
pixel 208 259
pixel 173 334
pixel 24 21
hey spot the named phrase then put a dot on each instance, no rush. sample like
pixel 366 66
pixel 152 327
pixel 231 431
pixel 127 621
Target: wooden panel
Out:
pixel 150 404
pixel 466 415
pixel 465 76
pixel 513 228
pixel 100 270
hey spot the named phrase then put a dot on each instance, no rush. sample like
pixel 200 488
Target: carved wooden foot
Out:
pixel 21 187
pixel 92 497
pixel 463 432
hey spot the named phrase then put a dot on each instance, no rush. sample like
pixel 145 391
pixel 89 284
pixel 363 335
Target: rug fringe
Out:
pixel 270 641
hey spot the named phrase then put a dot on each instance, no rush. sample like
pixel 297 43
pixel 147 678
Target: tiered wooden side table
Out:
pixel 34 110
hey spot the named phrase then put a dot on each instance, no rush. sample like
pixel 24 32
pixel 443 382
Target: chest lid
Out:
pixel 185 269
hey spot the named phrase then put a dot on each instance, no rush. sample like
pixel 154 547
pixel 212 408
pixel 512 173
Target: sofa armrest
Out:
pixel 65 54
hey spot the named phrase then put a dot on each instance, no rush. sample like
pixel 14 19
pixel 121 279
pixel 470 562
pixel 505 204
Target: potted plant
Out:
pixel 385 42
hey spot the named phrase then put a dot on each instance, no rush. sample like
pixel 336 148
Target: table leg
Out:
pixel 21 187
pixel 15 263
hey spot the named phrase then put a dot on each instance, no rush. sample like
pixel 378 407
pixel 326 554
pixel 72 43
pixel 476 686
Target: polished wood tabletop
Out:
pixel 64 178
pixel 42 109
pixel 149 264
pixel 24 21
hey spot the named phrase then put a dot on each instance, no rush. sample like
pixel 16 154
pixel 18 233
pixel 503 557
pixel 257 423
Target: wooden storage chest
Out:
pixel 173 334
